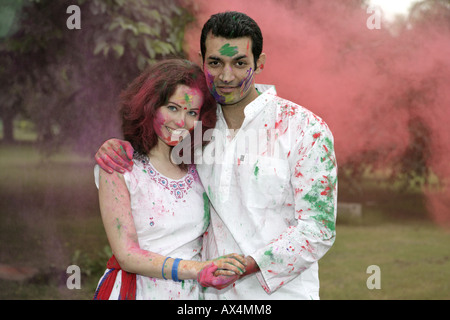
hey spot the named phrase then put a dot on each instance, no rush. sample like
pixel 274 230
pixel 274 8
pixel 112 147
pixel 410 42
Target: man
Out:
pixel 273 181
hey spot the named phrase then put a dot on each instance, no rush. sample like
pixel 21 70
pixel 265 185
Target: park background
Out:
pixel 380 81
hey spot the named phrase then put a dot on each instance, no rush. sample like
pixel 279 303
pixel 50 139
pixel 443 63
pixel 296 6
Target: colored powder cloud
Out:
pixel 369 85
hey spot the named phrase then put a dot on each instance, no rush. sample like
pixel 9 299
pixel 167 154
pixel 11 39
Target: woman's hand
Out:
pixel 222 272
pixel 206 278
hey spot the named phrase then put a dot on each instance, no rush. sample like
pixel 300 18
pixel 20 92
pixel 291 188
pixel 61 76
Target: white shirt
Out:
pixel 273 192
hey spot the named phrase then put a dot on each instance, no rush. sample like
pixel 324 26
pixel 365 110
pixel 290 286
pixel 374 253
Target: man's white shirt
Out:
pixel 273 191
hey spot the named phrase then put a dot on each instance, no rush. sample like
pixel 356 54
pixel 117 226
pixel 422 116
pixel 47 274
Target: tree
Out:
pixel 68 80
pixel 10 64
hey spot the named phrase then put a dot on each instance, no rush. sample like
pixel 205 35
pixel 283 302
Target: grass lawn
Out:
pixel 49 219
pixel 413 258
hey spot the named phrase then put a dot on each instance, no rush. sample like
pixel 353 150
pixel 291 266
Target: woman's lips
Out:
pixel 176 134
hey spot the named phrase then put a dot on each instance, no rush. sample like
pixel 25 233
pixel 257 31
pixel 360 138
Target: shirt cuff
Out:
pixel 269 280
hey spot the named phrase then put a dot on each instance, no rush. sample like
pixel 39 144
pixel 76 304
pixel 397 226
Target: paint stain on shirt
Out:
pixel 256 171
pixel 321 198
pixel 206 213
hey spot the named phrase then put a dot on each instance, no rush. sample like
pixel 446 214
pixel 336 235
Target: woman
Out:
pixel 155 215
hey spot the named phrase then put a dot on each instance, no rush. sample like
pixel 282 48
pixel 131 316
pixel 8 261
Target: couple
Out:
pixel 268 220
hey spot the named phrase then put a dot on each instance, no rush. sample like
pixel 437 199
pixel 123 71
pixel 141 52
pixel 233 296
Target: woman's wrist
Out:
pixel 188 269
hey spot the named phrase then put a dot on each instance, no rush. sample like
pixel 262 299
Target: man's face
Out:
pixel 229 68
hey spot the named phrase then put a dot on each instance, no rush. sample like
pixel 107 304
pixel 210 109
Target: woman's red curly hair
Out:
pixel 151 90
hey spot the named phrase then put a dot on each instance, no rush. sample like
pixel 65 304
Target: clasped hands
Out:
pixel 225 270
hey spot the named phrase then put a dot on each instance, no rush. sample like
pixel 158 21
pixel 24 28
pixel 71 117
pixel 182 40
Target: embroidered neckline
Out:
pixel 179 187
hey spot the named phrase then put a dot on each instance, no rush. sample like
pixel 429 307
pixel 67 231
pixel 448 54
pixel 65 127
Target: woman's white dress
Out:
pixel 170 217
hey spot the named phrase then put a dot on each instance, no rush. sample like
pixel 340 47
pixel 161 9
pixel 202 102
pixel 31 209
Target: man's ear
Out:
pixel 260 63
pixel 200 60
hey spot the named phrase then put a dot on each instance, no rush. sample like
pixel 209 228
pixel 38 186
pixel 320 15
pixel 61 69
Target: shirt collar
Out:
pixel 266 92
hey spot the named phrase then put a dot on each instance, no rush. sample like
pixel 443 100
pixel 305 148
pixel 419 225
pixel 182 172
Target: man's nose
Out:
pixel 227 75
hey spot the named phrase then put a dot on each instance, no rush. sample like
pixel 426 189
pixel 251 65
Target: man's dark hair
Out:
pixel 232 25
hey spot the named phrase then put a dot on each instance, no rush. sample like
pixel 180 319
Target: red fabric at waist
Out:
pixel 127 289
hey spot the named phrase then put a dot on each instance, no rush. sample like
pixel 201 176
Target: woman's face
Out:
pixel 174 120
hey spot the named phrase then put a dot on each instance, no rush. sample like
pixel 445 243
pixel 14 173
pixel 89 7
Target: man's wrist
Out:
pixel 251 267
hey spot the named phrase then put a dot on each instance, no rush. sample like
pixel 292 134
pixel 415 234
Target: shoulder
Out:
pixel 107 177
pixel 298 116
pixel 138 173
pixel 111 186
pixel 101 177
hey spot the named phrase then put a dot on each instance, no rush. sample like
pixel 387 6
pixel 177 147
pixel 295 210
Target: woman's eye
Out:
pixel 193 113
pixel 172 108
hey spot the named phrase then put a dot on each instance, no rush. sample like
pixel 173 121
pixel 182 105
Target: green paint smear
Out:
pixel 118 226
pixel 269 259
pixel 256 171
pixel 210 194
pixel 269 253
pixel 187 98
pixel 329 154
pixel 227 50
pixel 323 204
pixel 206 213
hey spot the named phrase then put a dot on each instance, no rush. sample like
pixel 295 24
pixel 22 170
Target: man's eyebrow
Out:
pixel 214 58
pixel 239 57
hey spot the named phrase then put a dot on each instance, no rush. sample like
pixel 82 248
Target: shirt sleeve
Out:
pixel 313 180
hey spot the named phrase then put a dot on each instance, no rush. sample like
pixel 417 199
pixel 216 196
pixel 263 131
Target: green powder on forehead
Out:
pixel 228 51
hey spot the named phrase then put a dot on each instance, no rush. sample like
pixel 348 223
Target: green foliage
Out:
pixel 92 266
pixel 144 30
pixel 68 81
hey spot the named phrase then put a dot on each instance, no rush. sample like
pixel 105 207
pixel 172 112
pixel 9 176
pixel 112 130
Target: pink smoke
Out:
pixel 366 84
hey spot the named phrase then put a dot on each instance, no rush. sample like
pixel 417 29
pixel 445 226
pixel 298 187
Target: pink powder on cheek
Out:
pixel 158 122
pixel 180 124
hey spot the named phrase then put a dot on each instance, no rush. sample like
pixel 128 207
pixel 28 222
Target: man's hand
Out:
pixel 115 155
